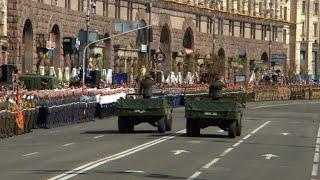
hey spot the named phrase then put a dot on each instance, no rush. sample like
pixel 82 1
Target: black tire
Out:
pixel 130 125
pixel 239 127
pixel 169 123
pixel 123 126
pixel 161 125
pixel 193 128
pixel 232 129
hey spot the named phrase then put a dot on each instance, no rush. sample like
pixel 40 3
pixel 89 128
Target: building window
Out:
pixel 253 31
pixel 129 10
pixel 274 33
pixel 80 6
pixel 94 10
pixel 105 7
pixel 228 4
pixel 220 26
pixel 263 32
pixel 40 1
pixel 209 25
pixel 260 8
pixel 198 22
pixel 281 11
pixel 231 28
pixel 284 36
pixel 242 28
pixel 303 27
pixel 285 10
pixel 314 64
pixel 315 29
pixel 67 4
pixel 303 7
pixel 54 2
pixel 316 8
pixel 117 9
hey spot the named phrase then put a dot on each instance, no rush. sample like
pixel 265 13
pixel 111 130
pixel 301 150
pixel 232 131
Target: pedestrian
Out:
pixel 215 89
pixel 146 86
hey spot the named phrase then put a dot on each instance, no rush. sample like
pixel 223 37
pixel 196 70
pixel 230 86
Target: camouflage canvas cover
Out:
pixel 143 104
pixel 209 105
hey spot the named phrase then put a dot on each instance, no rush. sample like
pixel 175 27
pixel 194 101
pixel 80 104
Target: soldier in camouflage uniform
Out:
pixel 146 86
pixel 215 89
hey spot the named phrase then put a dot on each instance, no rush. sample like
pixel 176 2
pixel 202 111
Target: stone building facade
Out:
pixel 3 32
pixel 305 38
pixel 182 30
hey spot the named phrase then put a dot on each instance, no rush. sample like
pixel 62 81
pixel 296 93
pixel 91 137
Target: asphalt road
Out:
pixel 280 141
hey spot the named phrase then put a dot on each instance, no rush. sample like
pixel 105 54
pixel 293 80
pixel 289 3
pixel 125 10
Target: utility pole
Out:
pixel 270 34
pixel 148 10
pixel 90 6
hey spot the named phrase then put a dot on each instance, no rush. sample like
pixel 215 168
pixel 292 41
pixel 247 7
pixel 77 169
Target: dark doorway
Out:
pixel 27 40
pixel 55 32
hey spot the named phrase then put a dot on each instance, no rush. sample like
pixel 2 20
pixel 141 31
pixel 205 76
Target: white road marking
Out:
pixel 30 154
pixel 267 106
pixel 134 171
pixel 276 105
pixel 285 134
pixel 177 152
pixel 315 170
pixel 215 160
pixel 195 175
pixel 68 144
pixel 269 156
pixel 316 158
pixel 99 162
pixel 97 137
pixel 195 142
pixel 209 164
pixel 237 144
pixel 226 152
pixel 247 136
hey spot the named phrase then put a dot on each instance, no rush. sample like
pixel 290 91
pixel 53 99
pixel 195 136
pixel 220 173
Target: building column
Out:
pixel 309 58
pixel 297 58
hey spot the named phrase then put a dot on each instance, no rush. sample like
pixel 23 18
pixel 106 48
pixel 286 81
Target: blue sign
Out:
pixel 278 58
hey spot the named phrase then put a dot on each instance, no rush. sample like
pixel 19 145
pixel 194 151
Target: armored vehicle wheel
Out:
pixel 239 127
pixel 169 123
pixel 193 128
pixel 232 129
pixel 162 125
pixel 123 125
pixel 131 126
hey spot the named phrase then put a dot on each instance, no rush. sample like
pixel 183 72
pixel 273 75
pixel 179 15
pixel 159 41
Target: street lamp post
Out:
pixel 88 10
pixel 149 32
pixel 269 11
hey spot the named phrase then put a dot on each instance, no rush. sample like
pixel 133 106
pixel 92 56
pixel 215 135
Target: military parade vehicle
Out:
pixel 226 113
pixel 135 110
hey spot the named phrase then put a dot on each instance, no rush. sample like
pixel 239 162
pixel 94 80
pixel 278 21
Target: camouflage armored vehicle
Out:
pixel 134 110
pixel 226 113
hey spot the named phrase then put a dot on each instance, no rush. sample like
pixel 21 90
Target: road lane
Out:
pixel 159 161
pixel 270 154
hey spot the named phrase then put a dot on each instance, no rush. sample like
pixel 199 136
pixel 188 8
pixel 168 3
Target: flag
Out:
pixel 252 78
